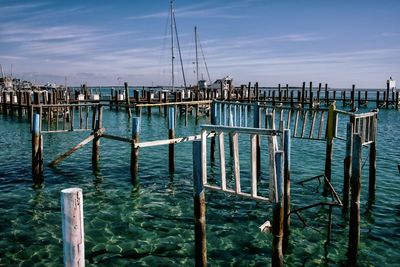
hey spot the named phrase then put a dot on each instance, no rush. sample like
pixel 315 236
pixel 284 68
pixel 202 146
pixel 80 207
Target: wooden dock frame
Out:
pixel 280 189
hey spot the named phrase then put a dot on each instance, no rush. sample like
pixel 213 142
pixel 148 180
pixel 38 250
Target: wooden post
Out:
pixel 311 94
pixel 353 92
pixel 331 127
pixel 213 122
pixel 344 98
pixel 303 94
pixel 72 227
pixel 326 94
pixel 279 93
pixel 149 102
pixel 128 101
pixel 372 159
pixel 19 97
pixel 273 98
pixel 291 99
pixel 37 151
pixel 377 99
pixel 199 207
pixel 354 223
pixel 171 135
pixel 286 222
pixel 96 140
pixel 347 168
pixel 11 103
pixel 116 99
pixel 249 92
pixel 257 91
pixel 278 212
pixel 135 150
pixel 165 101
pixel 287 91
pixel 397 100
pixel 387 94
pixel 256 124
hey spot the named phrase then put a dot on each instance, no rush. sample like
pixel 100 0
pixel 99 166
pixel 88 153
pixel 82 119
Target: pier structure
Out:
pixel 273 117
pixel 188 99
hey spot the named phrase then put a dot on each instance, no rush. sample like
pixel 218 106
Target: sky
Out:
pixel 339 42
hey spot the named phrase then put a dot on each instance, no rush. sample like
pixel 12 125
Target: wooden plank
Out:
pixel 253 164
pixel 166 141
pixel 288 119
pixel 117 138
pixel 222 159
pixel 72 150
pixel 239 130
pixel 272 147
pixel 303 129
pixel 204 156
pixel 314 116
pixel 321 125
pixel 200 102
pixel 296 123
pixel 241 194
pixel 236 162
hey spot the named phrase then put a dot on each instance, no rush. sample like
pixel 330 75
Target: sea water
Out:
pixel 150 223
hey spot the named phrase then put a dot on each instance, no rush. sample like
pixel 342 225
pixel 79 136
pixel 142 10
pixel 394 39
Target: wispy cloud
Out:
pixel 391 34
pixel 203 10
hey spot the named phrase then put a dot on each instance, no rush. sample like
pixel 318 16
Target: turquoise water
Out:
pixel 151 223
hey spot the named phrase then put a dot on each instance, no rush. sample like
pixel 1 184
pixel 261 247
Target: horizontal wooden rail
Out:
pixel 174 103
pixel 233 192
pixel 246 130
pixel 171 141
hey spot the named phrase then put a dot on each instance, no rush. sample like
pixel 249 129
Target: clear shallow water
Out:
pixel 151 223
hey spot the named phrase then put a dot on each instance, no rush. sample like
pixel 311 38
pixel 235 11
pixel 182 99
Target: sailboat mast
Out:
pixel 172 47
pixel 197 58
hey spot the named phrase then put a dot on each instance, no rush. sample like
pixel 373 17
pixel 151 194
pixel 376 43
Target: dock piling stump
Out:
pixel 134 149
pixel 37 151
pixel 72 227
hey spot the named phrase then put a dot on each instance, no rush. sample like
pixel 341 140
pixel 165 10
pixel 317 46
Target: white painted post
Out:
pixel 72 227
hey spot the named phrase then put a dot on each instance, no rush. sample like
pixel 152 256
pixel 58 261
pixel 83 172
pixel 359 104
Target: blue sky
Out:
pixel 339 42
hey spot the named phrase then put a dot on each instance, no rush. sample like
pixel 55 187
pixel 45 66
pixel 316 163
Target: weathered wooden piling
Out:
pixel 387 94
pixel 213 120
pixel 199 207
pixel 347 168
pixel 128 101
pixel 72 227
pixel 354 223
pixel 286 202
pixel 331 125
pixel 372 158
pixel 377 99
pixel 303 94
pixel 257 124
pixel 134 149
pixel 171 135
pixel 96 133
pixel 19 99
pixel 278 212
pixel 37 150
pixel 353 90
